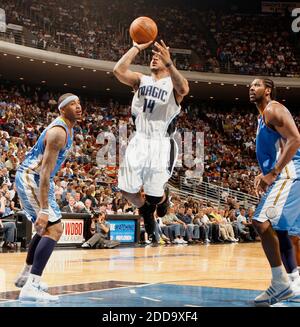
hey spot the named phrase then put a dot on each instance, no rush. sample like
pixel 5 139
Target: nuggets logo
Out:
pixel 271 212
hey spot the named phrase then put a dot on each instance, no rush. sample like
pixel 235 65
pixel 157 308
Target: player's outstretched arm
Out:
pixel 121 69
pixel 181 85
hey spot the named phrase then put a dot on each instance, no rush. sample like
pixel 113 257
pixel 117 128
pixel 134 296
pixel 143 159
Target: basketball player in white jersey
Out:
pixel 151 154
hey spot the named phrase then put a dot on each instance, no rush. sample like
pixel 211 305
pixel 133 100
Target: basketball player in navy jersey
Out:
pixel 278 154
pixel 35 186
pixel 151 154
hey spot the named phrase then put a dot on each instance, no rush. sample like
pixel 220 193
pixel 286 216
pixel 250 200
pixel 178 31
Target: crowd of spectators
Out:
pixel 212 41
pixel 249 44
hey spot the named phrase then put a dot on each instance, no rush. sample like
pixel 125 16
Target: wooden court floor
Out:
pixel 237 266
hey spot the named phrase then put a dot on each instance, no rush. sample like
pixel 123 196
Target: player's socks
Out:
pixel 147 212
pixel 34 279
pixel 163 207
pixel 32 247
pixel 42 255
pixel 294 276
pixel 279 275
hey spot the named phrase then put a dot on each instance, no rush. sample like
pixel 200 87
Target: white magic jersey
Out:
pixel 154 107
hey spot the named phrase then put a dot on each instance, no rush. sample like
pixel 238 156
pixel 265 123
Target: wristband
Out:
pixel 275 172
pixel 169 64
pixel 135 46
pixel 44 211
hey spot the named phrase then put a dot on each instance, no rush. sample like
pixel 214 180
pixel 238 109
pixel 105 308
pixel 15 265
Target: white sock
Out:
pixel 279 275
pixel 26 269
pixel 34 279
pixel 294 275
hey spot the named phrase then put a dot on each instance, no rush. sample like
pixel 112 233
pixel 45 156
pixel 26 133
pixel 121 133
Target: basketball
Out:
pixel 143 30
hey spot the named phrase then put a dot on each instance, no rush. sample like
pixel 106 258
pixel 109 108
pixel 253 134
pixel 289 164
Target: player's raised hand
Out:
pixel 142 46
pixel 162 51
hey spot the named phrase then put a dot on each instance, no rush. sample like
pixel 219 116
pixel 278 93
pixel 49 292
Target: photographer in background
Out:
pixel 99 229
pixel 7 228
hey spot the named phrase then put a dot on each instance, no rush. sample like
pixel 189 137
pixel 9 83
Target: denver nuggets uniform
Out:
pixel 28 175
pixel 280 204
pixel 152 152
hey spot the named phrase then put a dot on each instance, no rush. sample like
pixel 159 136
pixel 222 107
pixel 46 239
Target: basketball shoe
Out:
pixel 22 279
pixel 33 292
pixel 295 286
pixel 275 293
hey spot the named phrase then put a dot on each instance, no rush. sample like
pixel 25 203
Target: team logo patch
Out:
pixel 271 212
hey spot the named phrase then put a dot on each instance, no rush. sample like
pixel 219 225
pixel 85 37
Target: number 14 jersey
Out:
pixel 154 107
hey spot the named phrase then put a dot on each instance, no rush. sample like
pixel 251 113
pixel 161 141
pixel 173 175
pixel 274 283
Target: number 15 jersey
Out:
pixel 154 107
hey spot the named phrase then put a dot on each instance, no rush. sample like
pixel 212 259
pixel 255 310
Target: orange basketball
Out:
pixel 143 30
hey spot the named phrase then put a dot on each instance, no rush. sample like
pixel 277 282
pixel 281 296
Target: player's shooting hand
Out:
pixel 162 51
pixel 142 46
pixel 41 223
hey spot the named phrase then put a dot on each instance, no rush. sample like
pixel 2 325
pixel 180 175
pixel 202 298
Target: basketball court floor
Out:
pixel 224 275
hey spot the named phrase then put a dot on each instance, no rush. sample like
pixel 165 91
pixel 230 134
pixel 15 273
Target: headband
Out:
pixel 67 100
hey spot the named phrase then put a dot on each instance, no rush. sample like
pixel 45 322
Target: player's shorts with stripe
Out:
pixel 281 206
pixel 148 162
pixel 27 186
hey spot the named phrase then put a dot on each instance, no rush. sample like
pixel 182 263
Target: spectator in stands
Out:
pixel 8 228
pixel 243 226
pixel 203 221
pixel 253 233
pixel 192 230
pixel 73 206
pixel 177 227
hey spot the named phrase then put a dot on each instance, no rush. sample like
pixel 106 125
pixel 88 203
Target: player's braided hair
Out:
pixel 270 84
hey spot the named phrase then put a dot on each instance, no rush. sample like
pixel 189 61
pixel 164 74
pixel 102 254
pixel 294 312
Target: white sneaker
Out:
pixel 85 245
pixel 273 295
pixel 22 279
pixel 33 292
pixel 182 241
pixel 295 286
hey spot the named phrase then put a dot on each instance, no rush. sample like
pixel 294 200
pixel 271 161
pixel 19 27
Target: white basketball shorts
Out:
pixel 148 163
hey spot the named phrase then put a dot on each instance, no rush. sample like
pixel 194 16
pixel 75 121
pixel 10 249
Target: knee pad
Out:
pixel 153 200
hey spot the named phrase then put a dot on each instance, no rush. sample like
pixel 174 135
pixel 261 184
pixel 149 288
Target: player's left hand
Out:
pixel 41 223
pixel 162 52
pixel 263 182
